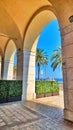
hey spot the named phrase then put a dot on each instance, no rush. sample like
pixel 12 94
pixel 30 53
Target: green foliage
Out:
pixel 41 59
pixel 56 58
pixel 10 88
pixel 46 87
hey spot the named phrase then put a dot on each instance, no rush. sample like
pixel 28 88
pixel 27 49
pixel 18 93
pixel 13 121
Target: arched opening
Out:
pixel 37 24
pixel 9 61
pixel 15 65
pixel 49 77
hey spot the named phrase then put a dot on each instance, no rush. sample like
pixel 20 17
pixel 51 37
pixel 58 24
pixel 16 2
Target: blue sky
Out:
pixel 49 39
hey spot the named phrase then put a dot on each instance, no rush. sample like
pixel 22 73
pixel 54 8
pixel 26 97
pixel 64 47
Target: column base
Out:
pixel 23 98
pixel 68 115
pixel 29 96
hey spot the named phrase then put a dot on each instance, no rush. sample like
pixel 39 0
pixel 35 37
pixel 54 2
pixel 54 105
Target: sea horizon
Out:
pixel 60 80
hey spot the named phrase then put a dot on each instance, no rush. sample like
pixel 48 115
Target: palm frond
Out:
pixel 56 58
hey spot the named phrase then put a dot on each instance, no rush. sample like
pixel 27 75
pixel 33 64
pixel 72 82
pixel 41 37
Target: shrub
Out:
pixel 46 87
pixel 10 88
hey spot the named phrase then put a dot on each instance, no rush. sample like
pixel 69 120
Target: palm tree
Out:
pixel 41 59
pixel 56 58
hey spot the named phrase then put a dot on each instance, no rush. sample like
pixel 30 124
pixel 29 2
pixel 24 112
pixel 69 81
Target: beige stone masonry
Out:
pixel 19 73
pixel 67 47
pixel 28 75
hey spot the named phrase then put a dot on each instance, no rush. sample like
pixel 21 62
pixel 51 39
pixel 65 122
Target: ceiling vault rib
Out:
pixel 2 35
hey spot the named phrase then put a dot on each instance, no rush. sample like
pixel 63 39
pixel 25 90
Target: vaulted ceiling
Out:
pixel 16 16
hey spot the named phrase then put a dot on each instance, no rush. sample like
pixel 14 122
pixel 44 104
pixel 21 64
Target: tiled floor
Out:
pixel 54 101
pixel 32 116
pixel 17 115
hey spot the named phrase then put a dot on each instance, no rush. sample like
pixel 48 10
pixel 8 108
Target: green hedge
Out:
pixel 46 87
pixel 10 88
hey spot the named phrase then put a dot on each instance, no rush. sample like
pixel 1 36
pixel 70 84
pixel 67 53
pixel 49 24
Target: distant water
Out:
pixel 59 80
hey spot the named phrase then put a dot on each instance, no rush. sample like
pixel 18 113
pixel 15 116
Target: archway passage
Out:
pixel 9 60
pixel 30 42
pixel 10 51
pixel 36 25
pixel 49 67
pixel 30 52
pixel 26 26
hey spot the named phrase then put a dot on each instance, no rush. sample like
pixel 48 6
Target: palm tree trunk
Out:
pixel 38 71
pixel 45 72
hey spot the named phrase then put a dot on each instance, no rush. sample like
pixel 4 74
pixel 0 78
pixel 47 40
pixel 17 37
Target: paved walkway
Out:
pixel 54 101
pixel 32 116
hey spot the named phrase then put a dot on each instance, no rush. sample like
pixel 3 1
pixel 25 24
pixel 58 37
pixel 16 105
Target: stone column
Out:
pixel 28 75
pixel 19 73
pixel 67 51
pixel 8 69
pixel 2 67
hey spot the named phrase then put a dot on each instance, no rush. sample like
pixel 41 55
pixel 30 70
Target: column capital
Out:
pixel 28 52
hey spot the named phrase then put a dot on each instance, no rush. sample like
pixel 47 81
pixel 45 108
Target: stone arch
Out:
pixel 9 60
pixel 38 12
pixel 1 52
pixel 6 45
pixel 38 22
